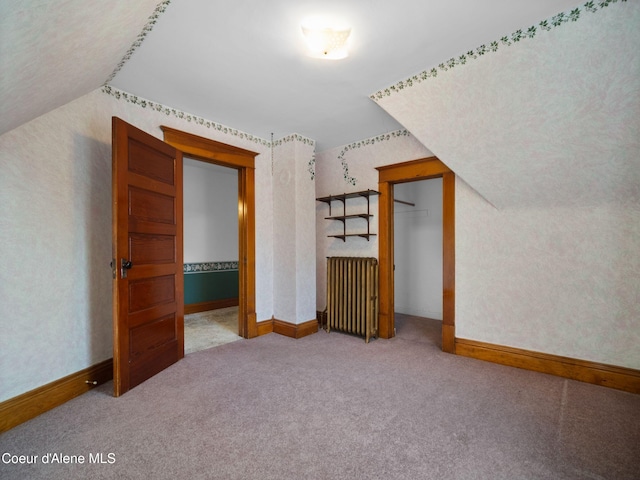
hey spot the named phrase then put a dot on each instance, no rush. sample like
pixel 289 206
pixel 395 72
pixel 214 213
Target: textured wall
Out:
pixel 548 130
pixel 55 230
pixel 53 52
pixel 560 280
pixel 305 232
pixel 55 211
pixel 548 120
pixel 294 231
pixel 284 253
pixel 350 169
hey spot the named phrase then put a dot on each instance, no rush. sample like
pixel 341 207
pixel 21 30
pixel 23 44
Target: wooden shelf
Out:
pixel 344 196
pixel 344 217
pixel 344 237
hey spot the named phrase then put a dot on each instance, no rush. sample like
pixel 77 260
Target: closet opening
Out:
pixel 388 178
pixel 417 222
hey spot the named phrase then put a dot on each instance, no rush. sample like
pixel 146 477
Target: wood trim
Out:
pixel 218 153
pixel 265 327
pixel 212 305
pixel 295 330
pixel 307 328
pixel 421 169
pixel 386 322
pixel 388 175
pixel 448 262
pixel 29 405
pixel 247 265
pixel 611 376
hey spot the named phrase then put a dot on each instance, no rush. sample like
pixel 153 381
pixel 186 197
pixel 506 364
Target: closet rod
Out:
pixel 406 203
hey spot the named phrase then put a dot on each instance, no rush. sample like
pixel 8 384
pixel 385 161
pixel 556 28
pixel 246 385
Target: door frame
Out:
pixel 217 153
pixel 388 176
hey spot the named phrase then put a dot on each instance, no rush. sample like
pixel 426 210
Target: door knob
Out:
pixel 124 266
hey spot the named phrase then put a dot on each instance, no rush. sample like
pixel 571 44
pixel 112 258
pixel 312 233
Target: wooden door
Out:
pixel 148 290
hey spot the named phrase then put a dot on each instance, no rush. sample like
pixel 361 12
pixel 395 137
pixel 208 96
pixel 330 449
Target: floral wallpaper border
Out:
pixel 545 25
pixel 296 137
pixel 158 107
pixel 515 37
pixel 311 166
pixel 160 9
pixel 211 267
pixel 144 103
pixel 364 143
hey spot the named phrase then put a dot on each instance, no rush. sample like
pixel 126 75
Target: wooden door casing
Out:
pixel 388 176
pixel 148 317
pixel 211 151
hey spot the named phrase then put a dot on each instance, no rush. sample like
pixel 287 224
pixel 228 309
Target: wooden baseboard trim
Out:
pixel 29 405
pixel 265 327
pixel 212 305
pixel 287 329
pixel 611 376
pixel 295 330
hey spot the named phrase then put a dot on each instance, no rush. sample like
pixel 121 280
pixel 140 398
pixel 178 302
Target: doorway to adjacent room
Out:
pixel 210 246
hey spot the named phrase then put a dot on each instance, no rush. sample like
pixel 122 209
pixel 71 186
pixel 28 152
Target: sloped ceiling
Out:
pixel 551 120
pixel 241 63
pixel 52 52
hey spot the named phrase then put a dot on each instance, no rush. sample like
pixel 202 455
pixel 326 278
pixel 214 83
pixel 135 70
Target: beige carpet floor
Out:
pixel 329 406
pixel 209 329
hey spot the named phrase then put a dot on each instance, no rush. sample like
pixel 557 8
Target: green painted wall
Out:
pixel 209 286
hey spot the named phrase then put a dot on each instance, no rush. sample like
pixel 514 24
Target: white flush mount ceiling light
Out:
pixel 326 39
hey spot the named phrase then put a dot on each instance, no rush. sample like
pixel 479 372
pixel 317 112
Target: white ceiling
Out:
pixel 241 63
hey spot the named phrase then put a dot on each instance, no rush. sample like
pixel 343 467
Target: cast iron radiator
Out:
pixel 352 295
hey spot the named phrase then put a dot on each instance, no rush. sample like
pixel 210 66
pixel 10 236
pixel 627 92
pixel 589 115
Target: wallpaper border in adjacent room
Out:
pixel 210 266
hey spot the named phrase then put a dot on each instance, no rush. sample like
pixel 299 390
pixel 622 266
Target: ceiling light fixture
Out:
pixel 325 41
